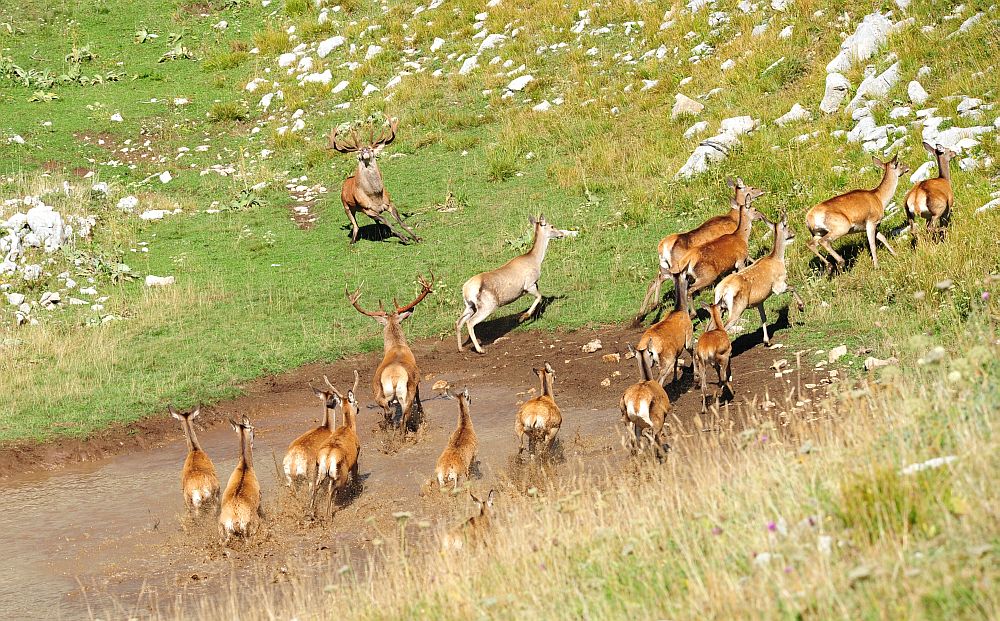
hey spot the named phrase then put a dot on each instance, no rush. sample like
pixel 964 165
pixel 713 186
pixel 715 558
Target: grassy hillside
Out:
pixel 804 520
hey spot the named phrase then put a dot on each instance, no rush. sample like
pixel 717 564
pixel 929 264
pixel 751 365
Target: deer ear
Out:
pixel 350 397
pixel 878 162
pixel 405 314
pixel 731 182
pixel 236 426
pixel 465 393
pixel 548 367
pixel 174 413
pixel 196 411
pixel 489 499
pixel 320 394
pixel 929 148
pixel 531 220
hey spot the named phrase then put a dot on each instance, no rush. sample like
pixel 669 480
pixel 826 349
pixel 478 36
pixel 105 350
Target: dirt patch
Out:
pixel 123 151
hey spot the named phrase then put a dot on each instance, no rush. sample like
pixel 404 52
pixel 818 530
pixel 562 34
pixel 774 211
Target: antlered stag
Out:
pixel 397 378
pixel 364 191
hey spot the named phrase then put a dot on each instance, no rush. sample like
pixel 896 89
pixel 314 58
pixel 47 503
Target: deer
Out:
pixel 337 460
pixel 540 418
pixel 714 349
pixel 705 264
pixel 488 291
pixel 932 199
pixel 301 455
pixel 241 510
pixel 456 459
pixel 644 407
pixel 754 285
pixel 673 247
pixel 199 483
pixel 853 212
pixel 473 529
pixel 364 190
pixel 665 341
pixel 397 378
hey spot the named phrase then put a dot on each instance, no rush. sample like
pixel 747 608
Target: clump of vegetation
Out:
pixel 229 112
pixel 271 40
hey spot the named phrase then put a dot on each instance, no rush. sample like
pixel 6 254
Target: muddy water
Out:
pixel 80 537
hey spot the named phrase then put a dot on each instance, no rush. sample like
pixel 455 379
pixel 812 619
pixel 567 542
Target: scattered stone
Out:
pixel 159 281
pixel 592 346
pixel 323 49
pixel 518 84
pixel 50 299
pixel 837 87
pixel 606 382
pixel 916 93
pixel 876 87
pixel 684 105
pixel 616 357
pixel 15 299
pixel 967 25
pixel 870 34
pixel 440 385
pixel 797 113
pixel 930 464
pixel 836 353
pixel 153 214
pixel 871 362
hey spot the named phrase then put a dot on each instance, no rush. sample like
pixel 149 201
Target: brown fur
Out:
pixel 364 191
pixel 399 366
pixel 540 418
pixel 932 199
pixel 714 349
pixel 705 264
pixel 646 396
pixel 300 459
pixel 666 340
pixel 241 511
pixel 473 529
pixel 672 248
pixel 853 212
pixel 199 483
pixel 486 292
pixel 457 457
pixel 337 460
pixel 752 286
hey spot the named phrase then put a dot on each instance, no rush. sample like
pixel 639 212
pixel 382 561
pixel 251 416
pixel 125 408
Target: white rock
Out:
pixel 836 353
pixel 221 25
pixel 786 32
pixel 436 45
pixel 50 299
pixel 286 59
pixel 696 129
pixel 900 112
pixel 373 51
pixel 101 187
pixel 165 176
pixel 780 5
pixel 31 272
pixel 870 34
pixel 542 107
pixel 15 299
pixel 968 104
pixel 993 204
pixel 470 63
pixel 837 87
pixel 319 78
pixel 916 93
pixel 340 86
pixel 727 65
pixel 325 47
pixel 116 118
pixel 369 89
pixel 518 84
pixel 159 281
pixel 876 87
pixel 967 25
pixel 684 105
pixel 903 4
pixel 759 29
pixel 153 214
pixel 592 346
pixel 923 172
pixel 128 203
pixel 738 125
pixel 930 464
pixel 491 41
pixel 797 113
pixel 648 84
pixel 711 150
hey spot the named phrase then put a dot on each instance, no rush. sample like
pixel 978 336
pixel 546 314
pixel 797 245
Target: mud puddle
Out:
pixel 109 537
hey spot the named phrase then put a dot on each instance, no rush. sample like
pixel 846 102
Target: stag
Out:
pixel 397 378
pixel 364 191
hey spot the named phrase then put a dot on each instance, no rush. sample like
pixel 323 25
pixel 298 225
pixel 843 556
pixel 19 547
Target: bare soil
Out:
pixel 102 528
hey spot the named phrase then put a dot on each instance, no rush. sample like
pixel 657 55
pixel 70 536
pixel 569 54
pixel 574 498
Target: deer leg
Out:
pixel 763 323
pixel 652 299
pixel 702 377
pixel 469 311
pixel 532 290
pixel 736 312
pixel 481 313
pixel 664 370
pixel 825 242
pixel 354 223
pixel 395 214
pixel 798 299
pixel 395 232
pixel 813 245
pixel 870 232
pixel 885 242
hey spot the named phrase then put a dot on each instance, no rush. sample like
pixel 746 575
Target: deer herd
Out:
pixel 714 253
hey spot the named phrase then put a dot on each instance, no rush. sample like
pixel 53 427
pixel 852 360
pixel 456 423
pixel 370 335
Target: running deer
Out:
pixel 241 511
pixel 705 264
pixel 932 199
pixel 673 247
pixel 856 211
pixel 300 458
pixel 644 408
pixel 473 529
pixel 539 418
pixel 397 378
pixel 665 341
pixel 364 191
pixel 199 482
pixel 486 292
pixel 337 460
pixel 752 286
pixel 714 349
pixel 456 459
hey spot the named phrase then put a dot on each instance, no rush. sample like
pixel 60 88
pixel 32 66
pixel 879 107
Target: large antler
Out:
pixel 353 298
pixel 342 147
pixel 427 286
pixel 384 140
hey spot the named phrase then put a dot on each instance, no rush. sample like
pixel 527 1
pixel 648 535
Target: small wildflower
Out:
pixel 716 531
pixel 986 296
pixel 771 526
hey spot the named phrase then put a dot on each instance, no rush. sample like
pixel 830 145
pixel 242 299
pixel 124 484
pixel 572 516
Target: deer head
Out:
pixel 545 229
pixel 742 193
pixel 484 505
pixel 244 428
pixel 400 313
pixel 940 151
pixel 181 416
pixel 366 152
pixel 893 166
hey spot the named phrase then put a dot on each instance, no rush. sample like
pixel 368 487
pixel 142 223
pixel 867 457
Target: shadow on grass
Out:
pixel 492 329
